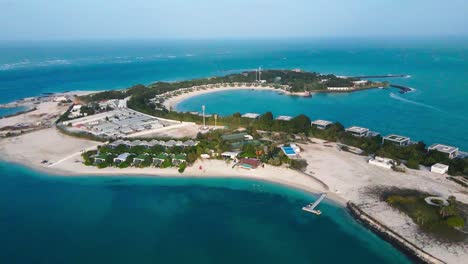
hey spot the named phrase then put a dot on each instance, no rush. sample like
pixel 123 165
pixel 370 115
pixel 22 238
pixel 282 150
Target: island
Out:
pixel 411 194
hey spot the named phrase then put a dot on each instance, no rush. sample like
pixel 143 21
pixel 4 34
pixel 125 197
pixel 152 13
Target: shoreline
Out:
pixel 404 246
pixel 172 102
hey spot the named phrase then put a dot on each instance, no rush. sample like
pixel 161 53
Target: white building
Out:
pixel 122 158
pixel 382 162
pixel 358 131
pixel 396 139
pixel 359 83
pixel 452 152
pixel 284 118
pixel 439 168
pixel 230 154
pixel 321 124
pixel 251 115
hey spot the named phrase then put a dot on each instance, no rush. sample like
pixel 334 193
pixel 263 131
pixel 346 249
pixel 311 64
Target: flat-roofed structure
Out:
pixel 358 131
pixel 284 118
pixel 251 115
pixel 439 168
pixel 452 152
pixel 396 139
pixel 321 124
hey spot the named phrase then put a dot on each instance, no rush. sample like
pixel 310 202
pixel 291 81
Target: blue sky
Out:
pixel 199 19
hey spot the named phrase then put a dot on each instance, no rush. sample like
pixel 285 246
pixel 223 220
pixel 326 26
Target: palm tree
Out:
pixel 448 210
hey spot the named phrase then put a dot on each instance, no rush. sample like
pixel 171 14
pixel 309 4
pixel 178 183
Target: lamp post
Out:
pixel 203 110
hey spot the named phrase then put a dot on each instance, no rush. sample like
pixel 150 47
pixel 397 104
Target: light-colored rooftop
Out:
pixel 284 118
pixel 356 129
pixel 440 166
pixel 396 138
pixel 251 115
pixel 320 122
pixel 443 148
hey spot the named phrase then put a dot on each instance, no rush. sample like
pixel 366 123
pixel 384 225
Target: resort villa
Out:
pixel 452 152
pixel 122 158
pixel 358 131
pixel 251 115
pixel 100 158
pixel 179 159
pixel 284 118
pixel 249 163
pixel 140 159
pixel 160 158
pixel 439 168
pixel 396 139
pixel 382 162
pixel 321 124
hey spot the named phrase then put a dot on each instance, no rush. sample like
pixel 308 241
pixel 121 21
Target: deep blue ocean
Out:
pixel 47 219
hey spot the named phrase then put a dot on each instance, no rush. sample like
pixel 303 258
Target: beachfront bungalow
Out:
pixel 358 131
pixel 230 154
pixel 159 159
pixel 100 158
pixel 179 159
pixel 397 140
pixel 284 118
pixel 251 115
pixel 439 168
pixel 382 162
pixel 451 152
pixel 249 164
pixel 321 124
pixel 122 158
pixel 140 159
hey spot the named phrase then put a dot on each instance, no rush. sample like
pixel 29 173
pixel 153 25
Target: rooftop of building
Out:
pixel 443 148
pixel 356 129
pixel 320 122
pixel 396 138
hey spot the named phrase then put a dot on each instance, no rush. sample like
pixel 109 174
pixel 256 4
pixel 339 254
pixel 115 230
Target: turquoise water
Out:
pixel 47 219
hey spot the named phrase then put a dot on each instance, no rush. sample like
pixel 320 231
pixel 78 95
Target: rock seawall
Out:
pixel 395 239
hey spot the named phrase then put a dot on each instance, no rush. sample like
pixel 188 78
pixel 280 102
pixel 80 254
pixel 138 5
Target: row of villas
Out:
pixel 217 85
pixel 152 143
pixel 452 152
pixel 156 160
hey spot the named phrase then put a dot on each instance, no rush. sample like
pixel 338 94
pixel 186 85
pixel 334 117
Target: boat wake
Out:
pixel 397 97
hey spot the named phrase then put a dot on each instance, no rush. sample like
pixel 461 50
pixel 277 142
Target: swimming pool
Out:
pixel 288 150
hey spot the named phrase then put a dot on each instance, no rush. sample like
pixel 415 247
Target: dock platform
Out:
pixel 311 207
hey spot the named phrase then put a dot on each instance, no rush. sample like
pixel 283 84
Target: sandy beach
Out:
pixel 172 102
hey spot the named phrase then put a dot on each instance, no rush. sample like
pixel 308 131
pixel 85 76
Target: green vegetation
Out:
pixel 412 156
pixel 439 221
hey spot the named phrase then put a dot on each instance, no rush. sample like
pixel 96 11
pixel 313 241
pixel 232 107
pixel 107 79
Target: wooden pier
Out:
pixel 311 207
